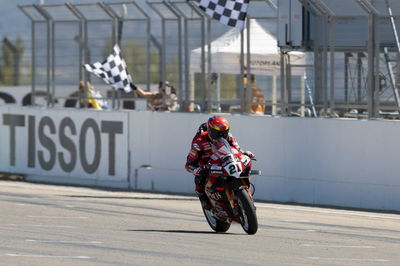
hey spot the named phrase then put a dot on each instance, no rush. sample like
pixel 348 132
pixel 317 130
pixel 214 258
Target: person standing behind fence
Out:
pixel 257 97
pixel 172 98
pixel 94 98
pixel 159 100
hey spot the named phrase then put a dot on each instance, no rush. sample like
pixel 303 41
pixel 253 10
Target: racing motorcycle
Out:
pixel 228 188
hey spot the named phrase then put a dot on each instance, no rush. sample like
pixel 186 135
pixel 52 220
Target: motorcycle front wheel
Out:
pixel 215 224
pixel 248 217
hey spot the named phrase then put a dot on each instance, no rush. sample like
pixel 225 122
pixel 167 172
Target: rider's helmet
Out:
pixel 217 126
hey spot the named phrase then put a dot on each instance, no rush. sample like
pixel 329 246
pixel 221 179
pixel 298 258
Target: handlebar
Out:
pixel 255 172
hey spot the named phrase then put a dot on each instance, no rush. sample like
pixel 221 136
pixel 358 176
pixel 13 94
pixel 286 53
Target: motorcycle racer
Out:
pixel 201 150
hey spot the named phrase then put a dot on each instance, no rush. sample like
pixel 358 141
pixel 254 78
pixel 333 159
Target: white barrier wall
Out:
pixel 65 145
pixel 345 163
pixel 163 140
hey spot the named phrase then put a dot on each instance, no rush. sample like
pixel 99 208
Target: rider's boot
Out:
pixel 200 182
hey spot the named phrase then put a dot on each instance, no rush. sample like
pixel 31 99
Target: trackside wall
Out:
pixel 348 163
pixel 65 145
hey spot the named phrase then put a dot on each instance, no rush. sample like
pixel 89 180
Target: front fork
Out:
pixel 222 196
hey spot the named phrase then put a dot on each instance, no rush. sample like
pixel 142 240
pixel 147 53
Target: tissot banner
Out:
pixel 64 143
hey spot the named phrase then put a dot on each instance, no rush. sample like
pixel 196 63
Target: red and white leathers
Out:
pixel 199 155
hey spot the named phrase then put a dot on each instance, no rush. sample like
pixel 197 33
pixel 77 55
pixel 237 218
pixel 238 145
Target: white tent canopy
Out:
pixel 225 53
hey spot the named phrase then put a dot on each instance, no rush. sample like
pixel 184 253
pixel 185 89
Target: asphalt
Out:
pixel 59 225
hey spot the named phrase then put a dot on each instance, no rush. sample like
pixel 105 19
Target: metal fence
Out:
pixel 355 53
pixel 346 67
pixel 160 40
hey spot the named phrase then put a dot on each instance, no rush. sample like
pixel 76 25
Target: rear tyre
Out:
pixel 247 210
pixel 215 224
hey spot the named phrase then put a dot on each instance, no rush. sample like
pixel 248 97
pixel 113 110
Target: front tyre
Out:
pixel 247 210
pixel 215 224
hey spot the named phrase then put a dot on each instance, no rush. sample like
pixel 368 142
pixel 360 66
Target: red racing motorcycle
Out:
pixel 228 188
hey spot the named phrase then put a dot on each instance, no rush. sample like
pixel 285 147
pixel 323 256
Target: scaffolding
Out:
pixel 350 67
pixel 160 22
pixel 360 34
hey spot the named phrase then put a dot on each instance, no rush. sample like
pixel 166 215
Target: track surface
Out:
pixel 58 225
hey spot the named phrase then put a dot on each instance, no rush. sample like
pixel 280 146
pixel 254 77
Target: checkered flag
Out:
pixel 113 70
pixel 229 12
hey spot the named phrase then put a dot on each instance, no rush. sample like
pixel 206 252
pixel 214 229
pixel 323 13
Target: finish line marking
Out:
pixel 47 256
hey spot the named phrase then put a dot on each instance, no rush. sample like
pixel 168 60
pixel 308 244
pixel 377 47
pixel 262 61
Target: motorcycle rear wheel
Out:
pixel 215 224
pixel 248 218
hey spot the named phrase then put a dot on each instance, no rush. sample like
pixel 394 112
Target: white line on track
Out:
pixel 64 242
pixel 348 259
pixel 330 212
pixel 47 256
pixel 87 191
pixel 290 230
pixel 57 217
pixel 336 246
pixel 39 225
pixel 55 188
pixel 296 221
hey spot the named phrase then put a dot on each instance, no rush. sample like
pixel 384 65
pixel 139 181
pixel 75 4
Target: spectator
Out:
pixel 94 98
pixel 172 98
pixel 164 99
pixel 257 97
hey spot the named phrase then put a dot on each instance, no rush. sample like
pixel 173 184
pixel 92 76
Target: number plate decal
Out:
pixel 233 169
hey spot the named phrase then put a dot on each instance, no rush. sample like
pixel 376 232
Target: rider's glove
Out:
pixel 250 154
pixel 199 171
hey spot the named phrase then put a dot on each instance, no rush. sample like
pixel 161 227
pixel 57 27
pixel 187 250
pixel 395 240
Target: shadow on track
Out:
pixel 176 231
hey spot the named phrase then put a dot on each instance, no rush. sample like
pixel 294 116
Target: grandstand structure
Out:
pixel 351 50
